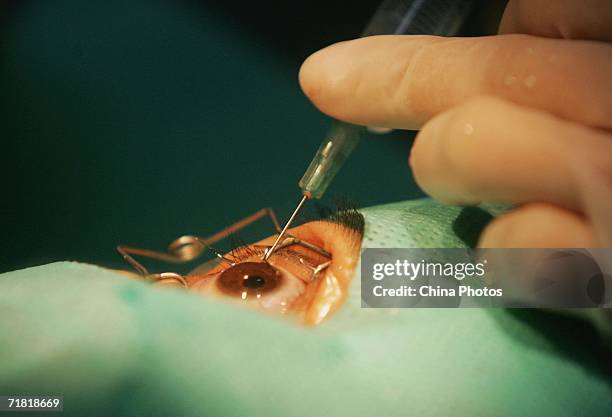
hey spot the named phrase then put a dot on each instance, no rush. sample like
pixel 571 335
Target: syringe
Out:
pixel 431 17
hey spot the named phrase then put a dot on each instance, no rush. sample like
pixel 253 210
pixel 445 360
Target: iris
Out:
pixel 248 279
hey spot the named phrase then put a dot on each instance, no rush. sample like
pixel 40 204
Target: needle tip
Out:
pixel 268 253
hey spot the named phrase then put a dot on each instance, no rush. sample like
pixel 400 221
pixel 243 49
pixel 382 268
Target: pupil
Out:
pixel 249 279
pixel 253 281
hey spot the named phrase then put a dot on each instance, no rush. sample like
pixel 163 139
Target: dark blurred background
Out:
pixel 135 122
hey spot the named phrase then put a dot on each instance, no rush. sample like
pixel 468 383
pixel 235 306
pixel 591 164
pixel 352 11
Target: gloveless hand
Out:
pixel 523 117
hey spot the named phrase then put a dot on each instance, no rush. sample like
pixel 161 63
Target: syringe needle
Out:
pixel 284 230
pixel 333 152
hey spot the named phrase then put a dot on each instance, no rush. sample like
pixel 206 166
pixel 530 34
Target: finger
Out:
pixel 571 19
pixel 401 81
pixel 595 183
pixel 538 226
pixel 488 149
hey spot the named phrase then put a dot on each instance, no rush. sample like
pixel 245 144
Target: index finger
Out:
pixel 402 81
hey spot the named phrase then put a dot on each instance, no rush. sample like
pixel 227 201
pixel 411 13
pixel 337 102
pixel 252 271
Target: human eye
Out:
pixel 306 277
pixel 279 285
pixel 300 282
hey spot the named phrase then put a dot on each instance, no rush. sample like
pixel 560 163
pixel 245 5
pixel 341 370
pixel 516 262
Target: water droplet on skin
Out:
pixel 468 129
pixel 510 80
pixel 530 81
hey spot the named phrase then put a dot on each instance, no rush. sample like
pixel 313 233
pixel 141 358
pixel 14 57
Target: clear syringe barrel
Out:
pixel 338 144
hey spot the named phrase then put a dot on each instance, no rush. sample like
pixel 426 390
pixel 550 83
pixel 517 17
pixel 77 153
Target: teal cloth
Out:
pixel 113 346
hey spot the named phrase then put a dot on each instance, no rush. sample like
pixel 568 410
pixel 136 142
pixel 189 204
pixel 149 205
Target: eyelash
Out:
pixel 342 211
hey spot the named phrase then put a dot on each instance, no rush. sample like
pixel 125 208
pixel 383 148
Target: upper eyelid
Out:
pixel 253 250
pixel 297 260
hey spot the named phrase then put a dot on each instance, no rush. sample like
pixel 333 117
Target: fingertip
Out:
pixel 537 225
pixel 422 157
pixel 307 76
pixel 431 159
pixel 493 236
pixel 321 73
